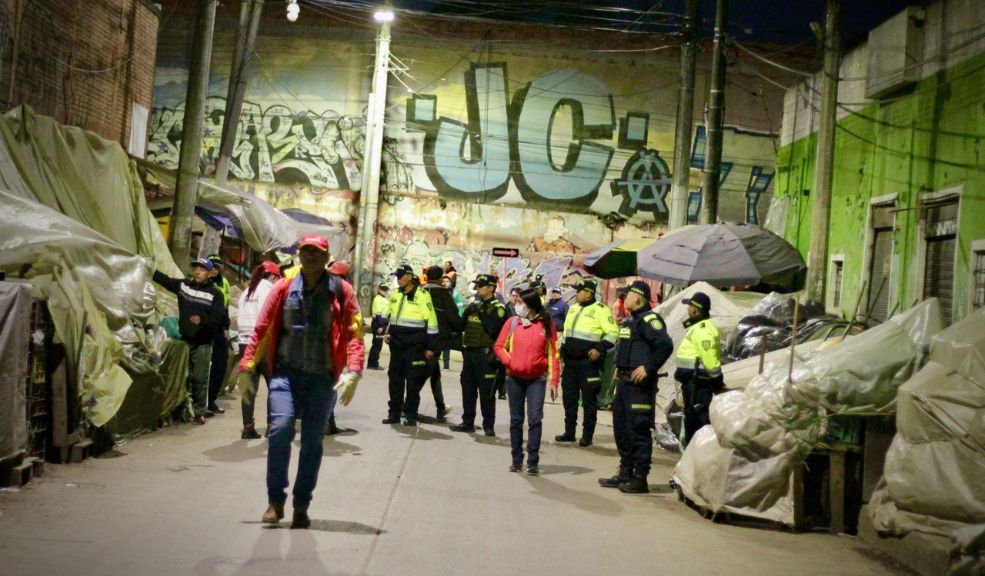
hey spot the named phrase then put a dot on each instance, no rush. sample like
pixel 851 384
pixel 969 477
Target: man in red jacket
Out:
pixel 311 332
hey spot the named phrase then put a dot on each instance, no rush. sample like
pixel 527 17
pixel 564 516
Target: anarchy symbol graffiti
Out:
pixel 644 184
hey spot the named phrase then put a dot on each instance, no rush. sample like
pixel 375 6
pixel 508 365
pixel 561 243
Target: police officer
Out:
pixel 643 348
pixel 412 334
pixel 481 323
pixel 380 311
pixel 699 364
pixel 589 332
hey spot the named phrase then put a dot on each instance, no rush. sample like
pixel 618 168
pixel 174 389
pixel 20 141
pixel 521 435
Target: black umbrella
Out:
pixel 723 254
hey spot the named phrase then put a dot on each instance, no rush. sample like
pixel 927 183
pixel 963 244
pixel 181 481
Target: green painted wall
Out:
pixel 926 141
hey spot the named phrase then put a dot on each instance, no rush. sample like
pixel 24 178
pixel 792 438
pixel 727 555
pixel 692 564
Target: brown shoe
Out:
pixel 273 514
pixel 300 520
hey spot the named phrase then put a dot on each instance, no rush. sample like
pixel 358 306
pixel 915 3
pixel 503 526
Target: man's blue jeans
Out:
pixel 296 394
pixel 527 394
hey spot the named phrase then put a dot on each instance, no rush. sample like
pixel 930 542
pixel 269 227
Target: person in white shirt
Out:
pixel 250 304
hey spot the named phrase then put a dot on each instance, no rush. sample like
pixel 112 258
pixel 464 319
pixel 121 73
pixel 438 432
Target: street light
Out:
pixel 293 10
pixel 383 16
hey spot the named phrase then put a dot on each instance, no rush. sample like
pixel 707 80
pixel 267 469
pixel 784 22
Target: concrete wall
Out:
pixel 494 134
pixel 86 63
pixel 907 148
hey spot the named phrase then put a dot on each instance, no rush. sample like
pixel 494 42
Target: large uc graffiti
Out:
pixel 553 140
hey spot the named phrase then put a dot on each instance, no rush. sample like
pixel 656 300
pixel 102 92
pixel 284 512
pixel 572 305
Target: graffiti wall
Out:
pixel 554 153
pixel 422 232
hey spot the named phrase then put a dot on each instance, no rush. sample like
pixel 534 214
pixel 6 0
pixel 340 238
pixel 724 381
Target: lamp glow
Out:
pixel 383 16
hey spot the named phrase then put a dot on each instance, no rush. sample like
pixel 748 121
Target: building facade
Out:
pixel 908 198
pixel 85 63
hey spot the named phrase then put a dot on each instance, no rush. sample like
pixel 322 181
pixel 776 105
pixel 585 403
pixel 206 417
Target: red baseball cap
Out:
pixel 270 267
pixel 315 240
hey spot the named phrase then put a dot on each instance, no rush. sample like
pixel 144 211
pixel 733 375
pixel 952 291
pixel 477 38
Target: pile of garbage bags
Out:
pixel 769 326
pixel 742 463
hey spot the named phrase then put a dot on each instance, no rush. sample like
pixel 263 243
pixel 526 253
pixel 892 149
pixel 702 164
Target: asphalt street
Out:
pixel 391 500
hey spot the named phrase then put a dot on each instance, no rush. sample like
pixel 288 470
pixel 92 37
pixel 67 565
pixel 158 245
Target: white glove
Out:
pixel 346 387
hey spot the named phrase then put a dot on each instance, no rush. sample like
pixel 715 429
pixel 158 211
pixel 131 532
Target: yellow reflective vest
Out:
pixel 381 306
pixel 701 349
pixel 589 326
pixel 413 322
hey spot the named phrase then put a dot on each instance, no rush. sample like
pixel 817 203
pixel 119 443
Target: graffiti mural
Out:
pixel 644 184
pixel 524 140
pixel 273 144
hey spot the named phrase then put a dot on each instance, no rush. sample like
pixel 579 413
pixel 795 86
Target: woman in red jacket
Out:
pixel 527 347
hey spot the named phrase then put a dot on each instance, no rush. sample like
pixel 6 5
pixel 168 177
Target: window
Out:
pixel 837 272
pixel 978 275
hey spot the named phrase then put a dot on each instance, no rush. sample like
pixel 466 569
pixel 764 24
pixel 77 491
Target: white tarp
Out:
pixel 934 479
pixel 742 462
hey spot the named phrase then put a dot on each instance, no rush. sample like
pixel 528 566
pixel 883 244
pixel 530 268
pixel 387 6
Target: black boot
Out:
pixel 623 476
pixel 330 428
pixel 636 485
pixel 568 436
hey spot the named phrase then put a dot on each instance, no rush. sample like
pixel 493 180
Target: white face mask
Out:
pixel 521 310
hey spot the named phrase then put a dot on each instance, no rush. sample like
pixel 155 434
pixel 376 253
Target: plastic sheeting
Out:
pixel 261 226
pixel 934 478
pixel 74 211
pixel 15 311
pixel 743 461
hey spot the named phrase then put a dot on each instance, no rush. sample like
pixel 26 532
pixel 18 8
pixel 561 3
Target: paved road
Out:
pixel 391 501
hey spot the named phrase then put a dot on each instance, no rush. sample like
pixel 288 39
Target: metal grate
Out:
pixel 941 237
pixel 38 403
pixel 879 274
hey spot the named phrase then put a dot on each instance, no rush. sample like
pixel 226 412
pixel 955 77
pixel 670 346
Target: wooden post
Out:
pixel 793 339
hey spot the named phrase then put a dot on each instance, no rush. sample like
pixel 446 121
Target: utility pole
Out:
pixel 246 35
pixel 186 190
pixel 824 161
pixel 369 193
pixel 716 119
pixel 685 119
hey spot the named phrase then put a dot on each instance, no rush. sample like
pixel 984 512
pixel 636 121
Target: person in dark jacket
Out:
pixel 220 348
pixel 642 349
pixel 557 308
pixel 446 311
pixel 200 319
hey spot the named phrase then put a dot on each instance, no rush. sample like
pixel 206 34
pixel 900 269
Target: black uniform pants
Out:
pixel 632 419
pixel 581 380
pixel 478 382
pixel 374 351
pixel 439 396
pixel 698 393
pixel 220 362
pixel 407 373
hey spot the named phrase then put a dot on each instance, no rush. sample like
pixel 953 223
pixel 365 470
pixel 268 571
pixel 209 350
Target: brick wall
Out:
pixel 82 62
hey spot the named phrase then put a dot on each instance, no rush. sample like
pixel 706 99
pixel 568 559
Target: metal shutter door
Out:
pixel 882 262
pixel 938 278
